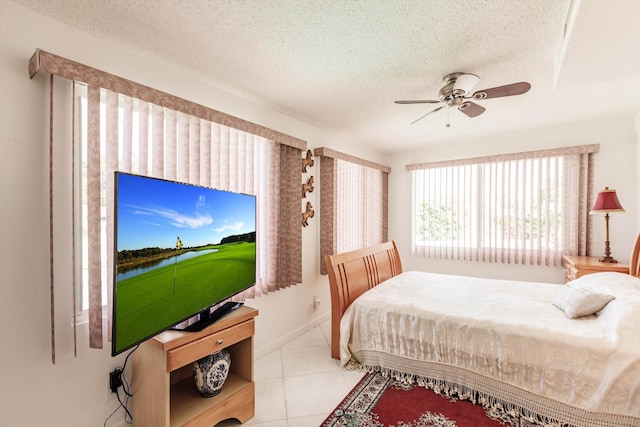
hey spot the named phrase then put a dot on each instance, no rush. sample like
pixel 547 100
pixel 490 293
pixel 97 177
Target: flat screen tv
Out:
pixel 180 249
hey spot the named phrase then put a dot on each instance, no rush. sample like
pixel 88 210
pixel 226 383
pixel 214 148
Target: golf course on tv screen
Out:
pixel 180 249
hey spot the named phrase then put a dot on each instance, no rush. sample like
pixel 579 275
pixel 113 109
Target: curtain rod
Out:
pixel 328 152
pixel 578 149
pixel 68 69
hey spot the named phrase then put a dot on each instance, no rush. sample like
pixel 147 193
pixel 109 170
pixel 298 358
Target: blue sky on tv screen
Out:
pixel 154 213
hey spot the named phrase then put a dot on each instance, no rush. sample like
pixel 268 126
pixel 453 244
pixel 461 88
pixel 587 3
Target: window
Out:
pixel 353 203
pixel 118 132
pixel 525 208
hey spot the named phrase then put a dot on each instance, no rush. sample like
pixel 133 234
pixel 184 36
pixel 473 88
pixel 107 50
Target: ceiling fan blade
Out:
pixel 506 90
pixel 432 111
pixel 471 109
pixel 418 101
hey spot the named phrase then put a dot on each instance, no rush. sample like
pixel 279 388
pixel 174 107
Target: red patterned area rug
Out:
pixel 382 402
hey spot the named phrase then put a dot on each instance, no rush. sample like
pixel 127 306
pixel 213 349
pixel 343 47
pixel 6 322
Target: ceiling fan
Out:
pixel 456 90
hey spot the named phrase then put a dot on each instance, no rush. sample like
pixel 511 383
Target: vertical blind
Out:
pixel 160 135
pixel 353 203
pixel 522 208
pixel 175 146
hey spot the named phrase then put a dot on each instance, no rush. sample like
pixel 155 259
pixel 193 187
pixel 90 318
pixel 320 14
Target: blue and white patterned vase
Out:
pixel 210 373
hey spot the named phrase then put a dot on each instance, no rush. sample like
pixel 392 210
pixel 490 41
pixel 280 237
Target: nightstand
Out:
pixel 578 266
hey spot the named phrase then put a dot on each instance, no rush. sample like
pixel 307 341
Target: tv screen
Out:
pixel 179 250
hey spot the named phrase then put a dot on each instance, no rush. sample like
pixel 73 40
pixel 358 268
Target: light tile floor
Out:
pixel 299 384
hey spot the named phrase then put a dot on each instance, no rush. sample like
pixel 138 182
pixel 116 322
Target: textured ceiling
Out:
pixel 339 64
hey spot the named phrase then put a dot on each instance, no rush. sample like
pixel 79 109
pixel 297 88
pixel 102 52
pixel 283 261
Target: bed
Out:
pixel 503 344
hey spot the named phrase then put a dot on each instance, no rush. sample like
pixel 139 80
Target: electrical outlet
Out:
pixel 316 302
pixel 115 380
pixel 108 394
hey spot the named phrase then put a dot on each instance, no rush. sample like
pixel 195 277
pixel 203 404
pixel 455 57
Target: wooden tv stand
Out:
pixel 164 392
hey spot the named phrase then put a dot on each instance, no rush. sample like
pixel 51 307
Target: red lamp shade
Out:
pixel 607 201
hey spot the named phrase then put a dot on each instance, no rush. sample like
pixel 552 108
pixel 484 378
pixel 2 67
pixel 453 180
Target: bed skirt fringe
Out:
pixel 513 414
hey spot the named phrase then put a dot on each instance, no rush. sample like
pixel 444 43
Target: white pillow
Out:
pixel 610 282
pixel 581 301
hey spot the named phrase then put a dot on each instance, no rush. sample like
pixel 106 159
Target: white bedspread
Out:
pixel 506 340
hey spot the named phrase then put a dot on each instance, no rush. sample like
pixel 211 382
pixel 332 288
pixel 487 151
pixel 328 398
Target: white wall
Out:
pixel 615 167
pixel 73 392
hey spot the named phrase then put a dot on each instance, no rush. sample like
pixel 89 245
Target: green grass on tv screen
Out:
pixel 150 302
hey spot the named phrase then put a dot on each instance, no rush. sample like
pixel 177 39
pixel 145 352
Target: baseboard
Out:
pixel 264 350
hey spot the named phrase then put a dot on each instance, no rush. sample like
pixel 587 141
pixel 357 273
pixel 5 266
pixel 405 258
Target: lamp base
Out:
pixel 607 248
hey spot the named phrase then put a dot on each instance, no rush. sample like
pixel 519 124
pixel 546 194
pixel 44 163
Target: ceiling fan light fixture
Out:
pixel 465 83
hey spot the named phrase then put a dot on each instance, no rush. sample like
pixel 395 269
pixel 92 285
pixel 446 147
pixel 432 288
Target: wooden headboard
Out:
pixel 351 274
pixel 634 262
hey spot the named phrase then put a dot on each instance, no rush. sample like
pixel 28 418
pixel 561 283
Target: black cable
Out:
pixel 111 415
pixel 125 386
pixel 128 417
pixel 123 367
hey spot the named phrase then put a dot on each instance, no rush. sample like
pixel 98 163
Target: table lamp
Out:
pixel 606 202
